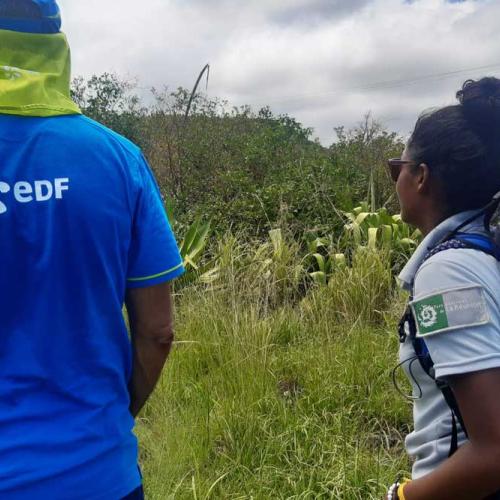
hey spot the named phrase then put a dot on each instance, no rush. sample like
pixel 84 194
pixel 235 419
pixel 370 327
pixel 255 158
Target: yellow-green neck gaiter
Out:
pixel 35 72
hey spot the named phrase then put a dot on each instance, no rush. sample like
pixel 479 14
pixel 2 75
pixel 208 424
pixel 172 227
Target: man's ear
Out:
pixel 423 177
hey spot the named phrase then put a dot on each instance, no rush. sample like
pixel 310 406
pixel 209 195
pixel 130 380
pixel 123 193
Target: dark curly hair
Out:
pixel 461 146
pixel 19 9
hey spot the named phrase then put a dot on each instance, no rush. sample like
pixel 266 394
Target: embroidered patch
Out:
pixel 449 310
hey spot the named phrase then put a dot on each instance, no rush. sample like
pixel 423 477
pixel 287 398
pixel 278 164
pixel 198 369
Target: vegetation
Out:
pixel 245 171
pixel 271 393
pixel 279 383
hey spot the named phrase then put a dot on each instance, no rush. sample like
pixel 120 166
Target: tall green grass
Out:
pixel 277 388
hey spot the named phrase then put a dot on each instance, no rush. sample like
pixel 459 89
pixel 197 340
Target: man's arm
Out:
pixel 150 314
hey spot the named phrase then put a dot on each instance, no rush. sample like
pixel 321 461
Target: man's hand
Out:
pixel 150 314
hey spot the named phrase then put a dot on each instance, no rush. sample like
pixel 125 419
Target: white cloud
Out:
pixel 315 59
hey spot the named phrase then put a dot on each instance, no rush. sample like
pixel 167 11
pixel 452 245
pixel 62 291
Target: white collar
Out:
pixel 407 275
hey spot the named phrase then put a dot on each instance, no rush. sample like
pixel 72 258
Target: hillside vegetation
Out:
pixel 279 384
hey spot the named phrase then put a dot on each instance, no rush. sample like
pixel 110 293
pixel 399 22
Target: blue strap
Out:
pixel 478 242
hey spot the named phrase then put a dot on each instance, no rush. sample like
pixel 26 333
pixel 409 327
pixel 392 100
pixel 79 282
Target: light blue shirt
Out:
pixel 459 349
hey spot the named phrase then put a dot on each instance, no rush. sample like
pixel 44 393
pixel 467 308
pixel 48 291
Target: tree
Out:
pixel 366 149
pixel 110 101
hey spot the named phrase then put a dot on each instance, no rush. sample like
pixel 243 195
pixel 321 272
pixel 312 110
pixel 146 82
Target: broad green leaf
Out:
pixel 361 218
pixel 319 277
pixel 339 259
pixel 372 237
pixel 200 241
pixel 189 238
pixel 320 261
pixel 408 242
pixel 386 234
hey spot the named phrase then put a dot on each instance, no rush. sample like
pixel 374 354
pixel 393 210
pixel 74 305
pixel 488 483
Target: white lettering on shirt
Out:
pixel 40 187
pixel 22 192
pixel 61 185
pixel 37 191
pixel 4 188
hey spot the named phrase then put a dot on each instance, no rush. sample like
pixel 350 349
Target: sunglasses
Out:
pixel 395 165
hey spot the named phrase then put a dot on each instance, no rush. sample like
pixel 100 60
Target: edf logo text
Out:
pixel 29 192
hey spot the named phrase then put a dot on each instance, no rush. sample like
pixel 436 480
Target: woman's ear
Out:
pixel 423 177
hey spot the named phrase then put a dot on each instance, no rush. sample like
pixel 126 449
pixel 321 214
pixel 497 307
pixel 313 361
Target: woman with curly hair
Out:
pixel 448 184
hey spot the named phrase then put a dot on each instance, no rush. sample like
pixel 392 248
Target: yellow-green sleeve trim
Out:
pixel 159 275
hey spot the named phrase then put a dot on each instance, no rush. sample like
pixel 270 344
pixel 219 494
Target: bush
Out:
pixel 246 170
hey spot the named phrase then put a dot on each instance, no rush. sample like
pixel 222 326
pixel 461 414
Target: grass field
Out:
pixel 274 393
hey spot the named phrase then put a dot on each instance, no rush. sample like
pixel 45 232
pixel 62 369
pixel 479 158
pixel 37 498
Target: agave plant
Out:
pixel 365 230
pixel 323 260
pixel 192 248
pixel 194 243
pixel 380 229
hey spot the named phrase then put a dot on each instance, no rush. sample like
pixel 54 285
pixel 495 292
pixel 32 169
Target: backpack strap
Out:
pixel 408 328
pixel 470 241
pixel 427 364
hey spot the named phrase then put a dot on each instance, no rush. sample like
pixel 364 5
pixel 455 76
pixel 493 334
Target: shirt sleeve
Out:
pixel 456 312
pixel 154 256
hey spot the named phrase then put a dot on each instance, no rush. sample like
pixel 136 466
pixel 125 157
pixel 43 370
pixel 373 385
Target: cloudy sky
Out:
pixel 326 62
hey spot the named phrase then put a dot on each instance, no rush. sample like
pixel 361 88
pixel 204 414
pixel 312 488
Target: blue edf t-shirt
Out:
pixel 81 220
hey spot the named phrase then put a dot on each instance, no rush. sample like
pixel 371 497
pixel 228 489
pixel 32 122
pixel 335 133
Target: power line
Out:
pixel 380 85
pixel 387 84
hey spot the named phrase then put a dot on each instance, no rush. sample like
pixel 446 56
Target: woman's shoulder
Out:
pixel 455 268
pixel 456 306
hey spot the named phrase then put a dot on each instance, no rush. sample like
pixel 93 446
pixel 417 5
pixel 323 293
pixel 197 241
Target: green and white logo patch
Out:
pixel 450 309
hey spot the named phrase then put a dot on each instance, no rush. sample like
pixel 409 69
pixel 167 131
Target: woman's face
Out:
pixel 407 190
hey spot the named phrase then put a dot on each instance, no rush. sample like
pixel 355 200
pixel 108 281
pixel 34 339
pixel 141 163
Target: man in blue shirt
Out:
pixel 82 230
